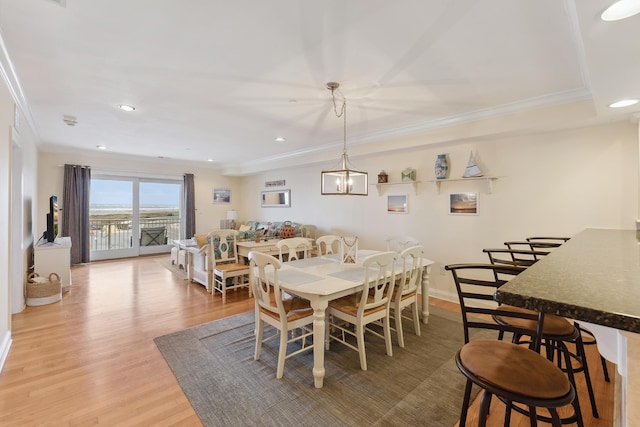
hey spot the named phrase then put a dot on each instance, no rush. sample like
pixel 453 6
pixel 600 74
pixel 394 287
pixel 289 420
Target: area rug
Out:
pixel 166 263
pixel 419 385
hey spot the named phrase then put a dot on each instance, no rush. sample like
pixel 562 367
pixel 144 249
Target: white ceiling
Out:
pixel 221 79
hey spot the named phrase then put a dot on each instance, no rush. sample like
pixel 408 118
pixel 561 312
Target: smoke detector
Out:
pixel 70 120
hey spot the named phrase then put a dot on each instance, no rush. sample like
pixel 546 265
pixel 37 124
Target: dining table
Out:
pixel 325 278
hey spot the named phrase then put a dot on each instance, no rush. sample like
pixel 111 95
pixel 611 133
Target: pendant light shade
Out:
pixel 343 179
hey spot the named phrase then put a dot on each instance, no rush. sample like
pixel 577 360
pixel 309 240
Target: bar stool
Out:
pixel 557 331
pixel 540 246
pixel 510 371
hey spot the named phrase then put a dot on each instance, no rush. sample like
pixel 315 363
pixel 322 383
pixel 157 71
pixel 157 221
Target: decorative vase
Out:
pixel 408 175
pixel 442 166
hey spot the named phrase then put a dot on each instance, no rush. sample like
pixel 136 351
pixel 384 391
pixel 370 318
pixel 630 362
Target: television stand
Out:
pixel 54 257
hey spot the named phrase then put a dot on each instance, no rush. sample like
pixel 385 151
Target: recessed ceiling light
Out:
pixel 623 103
pixel 620 10
pixel 209 160
pixel 125 107
pixel 101 147
pixel 280 139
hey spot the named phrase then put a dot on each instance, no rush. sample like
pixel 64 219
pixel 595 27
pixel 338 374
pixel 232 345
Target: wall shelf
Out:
pixel 488 180
pixel 382 186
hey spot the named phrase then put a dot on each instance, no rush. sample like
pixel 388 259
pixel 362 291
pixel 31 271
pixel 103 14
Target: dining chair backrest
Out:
pixel 517 257
pixel 328 244
pixel 308 231
pixel 400 243
pixel 379 274
pixel 533 245
pixel 292 246
pixel 411 270
pixel 541 242
pixel 476 285
pixel 349 249
pixel 219 247
pixel 223 246
pixel 263 273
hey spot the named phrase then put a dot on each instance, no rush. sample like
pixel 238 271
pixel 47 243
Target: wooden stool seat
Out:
pixel 519 376
pixel 553 326
pixel 516 371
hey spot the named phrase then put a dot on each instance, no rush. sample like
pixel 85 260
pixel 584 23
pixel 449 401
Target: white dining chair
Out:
pixel 406 292
pixel 326 244
pixel 278 309
pixel 349 315
pixel 400 243
pixel 292 247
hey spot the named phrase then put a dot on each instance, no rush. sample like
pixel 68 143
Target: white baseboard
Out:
pixel 4 348
pixel 447 296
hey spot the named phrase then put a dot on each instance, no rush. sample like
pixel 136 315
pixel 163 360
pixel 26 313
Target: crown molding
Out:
pixel 318 153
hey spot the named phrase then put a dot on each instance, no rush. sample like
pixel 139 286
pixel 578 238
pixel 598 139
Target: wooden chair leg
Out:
pixel 282 352
pixel 259 331
pixel 416 318
pixel 398 321
pixel 361 351
pixel 387 335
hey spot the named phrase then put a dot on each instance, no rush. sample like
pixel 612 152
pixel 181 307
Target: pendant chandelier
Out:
pixel 343 179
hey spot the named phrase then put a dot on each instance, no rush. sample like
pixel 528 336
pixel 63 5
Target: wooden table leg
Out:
pixel 425 294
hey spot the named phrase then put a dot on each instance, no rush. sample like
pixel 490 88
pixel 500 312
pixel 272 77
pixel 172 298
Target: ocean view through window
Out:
pixel 133 216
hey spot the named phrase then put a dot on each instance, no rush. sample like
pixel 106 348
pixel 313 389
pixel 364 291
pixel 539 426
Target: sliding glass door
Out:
pixel 134 216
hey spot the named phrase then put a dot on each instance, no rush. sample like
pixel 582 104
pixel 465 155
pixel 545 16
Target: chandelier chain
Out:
pixel 342 113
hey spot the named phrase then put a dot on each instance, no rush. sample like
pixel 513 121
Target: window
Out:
pixel 134 216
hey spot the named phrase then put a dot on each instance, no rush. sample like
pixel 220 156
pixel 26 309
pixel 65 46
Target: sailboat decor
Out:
pixel 472 170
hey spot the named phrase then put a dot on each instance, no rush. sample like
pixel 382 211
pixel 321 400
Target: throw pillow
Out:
pixel 201 239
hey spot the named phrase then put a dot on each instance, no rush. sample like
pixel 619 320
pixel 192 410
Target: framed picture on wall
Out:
pixel 463 203
pixel 398 204
pixel 221 195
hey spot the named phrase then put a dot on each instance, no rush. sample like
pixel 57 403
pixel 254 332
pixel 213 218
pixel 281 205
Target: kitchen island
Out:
pixel 594 278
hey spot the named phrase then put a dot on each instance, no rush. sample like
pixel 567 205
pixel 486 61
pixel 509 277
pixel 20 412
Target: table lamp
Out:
pixel 230 222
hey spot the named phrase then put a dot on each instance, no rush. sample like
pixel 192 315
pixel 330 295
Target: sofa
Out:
pixel 251 230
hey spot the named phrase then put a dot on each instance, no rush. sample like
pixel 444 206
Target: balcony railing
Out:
pixel 108 234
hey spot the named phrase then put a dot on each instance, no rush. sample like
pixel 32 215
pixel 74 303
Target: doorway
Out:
pixel 134 216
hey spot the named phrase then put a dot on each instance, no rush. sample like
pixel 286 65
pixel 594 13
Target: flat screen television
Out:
pixel 52 219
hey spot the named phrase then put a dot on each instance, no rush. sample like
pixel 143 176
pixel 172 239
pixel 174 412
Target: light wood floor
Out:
pixel 90 359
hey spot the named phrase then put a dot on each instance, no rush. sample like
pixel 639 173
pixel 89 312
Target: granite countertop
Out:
pixel 594 277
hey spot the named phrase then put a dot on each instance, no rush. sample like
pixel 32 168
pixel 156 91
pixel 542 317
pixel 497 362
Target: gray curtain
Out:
pixel 190 205
pixel 75 211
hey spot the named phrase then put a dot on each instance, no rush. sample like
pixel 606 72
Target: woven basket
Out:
pixel 43 290
pixel 287 231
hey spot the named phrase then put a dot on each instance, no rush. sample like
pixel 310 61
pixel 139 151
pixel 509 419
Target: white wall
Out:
pixel 6 121
pixel 16 249
pixel 554 184
pixel 208 214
